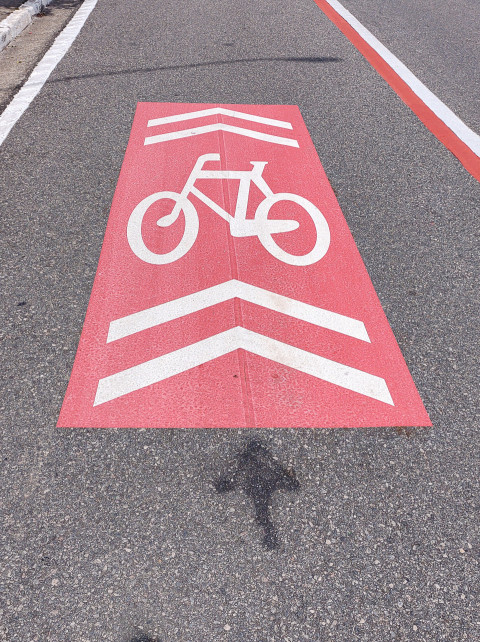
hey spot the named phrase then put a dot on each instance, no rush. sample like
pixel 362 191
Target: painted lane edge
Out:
pixel 464 153
pixel 41 72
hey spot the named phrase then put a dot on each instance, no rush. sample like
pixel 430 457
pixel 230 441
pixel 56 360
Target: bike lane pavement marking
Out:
pixel 229 290
pixel 444 124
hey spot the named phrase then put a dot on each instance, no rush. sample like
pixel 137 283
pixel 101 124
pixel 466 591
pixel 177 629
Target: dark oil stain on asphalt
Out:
pixel 144 638
pixel 259 475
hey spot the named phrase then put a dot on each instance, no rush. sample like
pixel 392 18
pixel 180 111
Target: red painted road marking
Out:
pixel 435 115
pixel 229 291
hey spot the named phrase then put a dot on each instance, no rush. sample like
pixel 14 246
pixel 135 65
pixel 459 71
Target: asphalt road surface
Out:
pixel 113 534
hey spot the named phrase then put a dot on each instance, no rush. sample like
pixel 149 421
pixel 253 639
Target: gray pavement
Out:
pixel 110 533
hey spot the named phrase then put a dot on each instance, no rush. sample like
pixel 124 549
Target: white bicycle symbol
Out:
pixel 240 226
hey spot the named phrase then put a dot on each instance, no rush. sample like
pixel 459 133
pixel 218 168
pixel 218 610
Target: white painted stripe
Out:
pixel 184 306
pixel 468 136
pixel 337 373
pixel 165 366
pixel 184 359
pixel 42 71
pixel 203 113
pixel 197 131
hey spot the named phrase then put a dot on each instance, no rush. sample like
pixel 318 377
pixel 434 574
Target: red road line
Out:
pixel 439 129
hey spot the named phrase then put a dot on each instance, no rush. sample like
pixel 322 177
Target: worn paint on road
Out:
pixel 230 292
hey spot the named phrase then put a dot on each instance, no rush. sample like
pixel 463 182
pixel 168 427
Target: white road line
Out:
pixel 44 68
pixel 203 113
pixel 206 129
pixel 197 301
pixel 453 122
pixel 168 365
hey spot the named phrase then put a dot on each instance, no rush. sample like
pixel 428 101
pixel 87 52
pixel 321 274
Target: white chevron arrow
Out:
pixel 213 111
pixel 206 129
pixel 168 365
pixel 197 301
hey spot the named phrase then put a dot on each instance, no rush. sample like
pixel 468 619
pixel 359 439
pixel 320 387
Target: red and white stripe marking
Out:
pixel 435 115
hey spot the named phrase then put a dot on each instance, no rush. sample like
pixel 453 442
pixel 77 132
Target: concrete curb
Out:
pixel 16 22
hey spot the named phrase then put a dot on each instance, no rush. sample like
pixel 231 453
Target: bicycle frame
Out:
pixel 260 225
pixel 240 226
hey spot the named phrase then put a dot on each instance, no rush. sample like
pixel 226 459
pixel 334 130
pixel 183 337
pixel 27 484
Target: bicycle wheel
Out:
pixel 134 229
pixel 322 242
